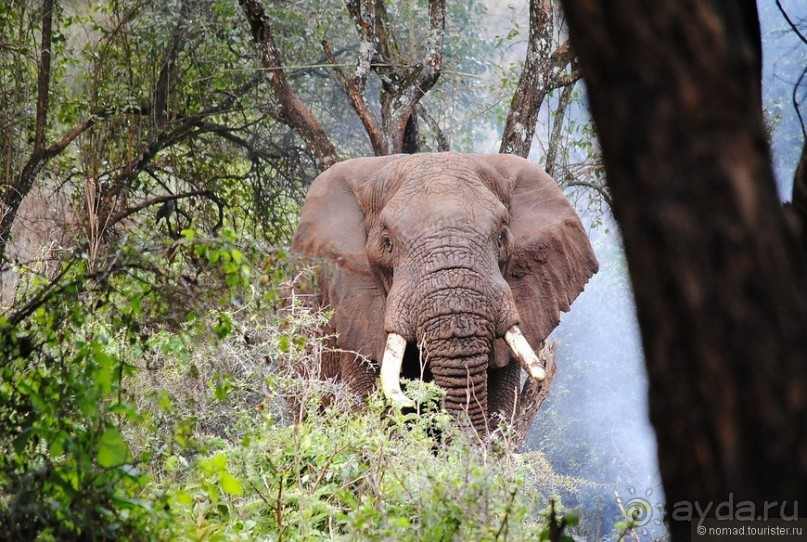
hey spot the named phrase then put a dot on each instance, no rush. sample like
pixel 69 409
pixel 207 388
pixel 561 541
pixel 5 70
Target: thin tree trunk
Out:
pixel 14 193
pixel 291 109
pixel 544 71
pixel 719 279
pixel 554 139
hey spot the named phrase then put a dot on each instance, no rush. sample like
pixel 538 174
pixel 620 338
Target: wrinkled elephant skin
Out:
pixel 448 266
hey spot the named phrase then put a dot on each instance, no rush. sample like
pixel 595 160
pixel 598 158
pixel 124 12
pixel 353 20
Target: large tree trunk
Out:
pixel 674 89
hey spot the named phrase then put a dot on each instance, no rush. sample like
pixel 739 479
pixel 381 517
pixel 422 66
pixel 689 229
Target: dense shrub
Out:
pixel 117 423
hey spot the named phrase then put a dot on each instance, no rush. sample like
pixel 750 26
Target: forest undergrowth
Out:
pixel 134 408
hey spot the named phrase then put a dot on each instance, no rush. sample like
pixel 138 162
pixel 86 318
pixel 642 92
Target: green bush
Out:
pixel 119 424
pixel 368 475
pixel 66 470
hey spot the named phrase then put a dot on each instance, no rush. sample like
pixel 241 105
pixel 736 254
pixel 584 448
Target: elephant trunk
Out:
pixel 455 328
pixel 453 311
pixel 459 366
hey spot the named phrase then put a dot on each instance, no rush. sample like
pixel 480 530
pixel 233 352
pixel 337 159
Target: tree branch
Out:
pixel 291 109
pixel 442 141
pixel 354 88
pixel 533 393
pixel 601 190
pixel 554 138
pixel 419 80
pixel 183 130
pixel 160 199
pixel 544 70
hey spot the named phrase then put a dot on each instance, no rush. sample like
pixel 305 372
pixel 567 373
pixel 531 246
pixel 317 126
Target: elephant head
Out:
pixel 448 265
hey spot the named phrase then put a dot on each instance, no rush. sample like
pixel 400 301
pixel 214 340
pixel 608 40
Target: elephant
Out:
pixel 443 266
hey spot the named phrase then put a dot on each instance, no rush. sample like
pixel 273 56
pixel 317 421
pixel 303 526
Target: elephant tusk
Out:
pixel 391 371
pixel 524 353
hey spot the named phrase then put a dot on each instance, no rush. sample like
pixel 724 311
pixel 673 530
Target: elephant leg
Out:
pixel 503 386
pixel 357 373
pixel 330 364
pixel 359 376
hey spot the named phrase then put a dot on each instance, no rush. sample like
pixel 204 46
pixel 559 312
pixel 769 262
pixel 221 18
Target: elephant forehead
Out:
pixel 443 197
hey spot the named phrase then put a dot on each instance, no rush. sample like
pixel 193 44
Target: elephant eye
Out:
pixel 503 236
pixel 505 242
pixel 386 243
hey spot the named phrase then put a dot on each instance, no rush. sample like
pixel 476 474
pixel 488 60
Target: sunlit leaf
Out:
pixel 112 449
pixel 229 484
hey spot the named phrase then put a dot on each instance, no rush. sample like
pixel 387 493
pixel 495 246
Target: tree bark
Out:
pixel 544 71
pixel 292 111
pixel 674 89
pixel 14 193
pixel 402 86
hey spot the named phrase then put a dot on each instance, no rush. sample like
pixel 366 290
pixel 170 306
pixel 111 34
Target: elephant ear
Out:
pixel 332 231
pixel 552 257
pixel 332 222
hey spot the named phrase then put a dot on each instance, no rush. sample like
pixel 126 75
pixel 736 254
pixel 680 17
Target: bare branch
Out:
pixel 554 138
pixel 790 22
pixel 601 190
pixel 71 135
pixel 442 140
pixel 533 393
pixel 159 199
pixel 354 88
pixel 292 110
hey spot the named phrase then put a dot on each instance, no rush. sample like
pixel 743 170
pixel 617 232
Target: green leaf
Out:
pixel 229 484
pixel 184 499
pixel 219 462
pixel 112 449
pixel 105 370
pixel 57 444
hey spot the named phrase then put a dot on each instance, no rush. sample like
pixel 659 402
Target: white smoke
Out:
pixel 594 425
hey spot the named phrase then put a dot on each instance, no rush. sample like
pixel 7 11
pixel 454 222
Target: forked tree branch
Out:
pixel 544 70
pixel 354 88
pixel 402 86
pixel 291 110
pixel 417 82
